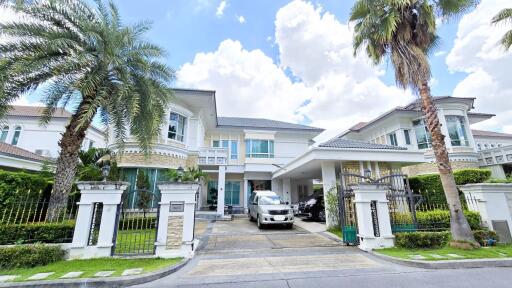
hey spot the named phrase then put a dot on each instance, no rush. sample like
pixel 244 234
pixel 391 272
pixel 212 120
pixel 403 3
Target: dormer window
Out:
pixel 177 123
pixel 5 131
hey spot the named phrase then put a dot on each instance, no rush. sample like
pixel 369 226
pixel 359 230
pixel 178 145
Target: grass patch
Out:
pixel 91 266
pixel 135 241
pixel 499 251
pixel 336 231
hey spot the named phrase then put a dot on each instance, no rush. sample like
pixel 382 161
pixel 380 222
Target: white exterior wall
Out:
pixel 492 142
pixel 36 137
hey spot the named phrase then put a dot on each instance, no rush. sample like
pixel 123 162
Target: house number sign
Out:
pixel 375 218
pixel 177 207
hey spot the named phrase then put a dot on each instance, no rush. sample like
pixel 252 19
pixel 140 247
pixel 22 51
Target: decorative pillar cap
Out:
pixel 102 185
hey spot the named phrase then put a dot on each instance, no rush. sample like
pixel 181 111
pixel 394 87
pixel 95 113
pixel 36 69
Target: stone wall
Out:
pixel 152 160
pixel 428 168
pixel 174 232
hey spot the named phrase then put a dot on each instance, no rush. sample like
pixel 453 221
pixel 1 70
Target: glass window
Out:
pixel 270 200
pixel 407 135
pixel 16 136
pixel 392 139
pixel 234 150
pixel 259 148
pixel 232 193
pixel 177 124
pixel 91 143
pixel 5 131
pixel 457 130
pixel 423 137
pixel 216 144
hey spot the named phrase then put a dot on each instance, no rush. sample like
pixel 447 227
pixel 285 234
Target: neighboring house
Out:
pixel 495 151
pixel 241 155
pixel 21 128
pixel 405 127
pixel 12 157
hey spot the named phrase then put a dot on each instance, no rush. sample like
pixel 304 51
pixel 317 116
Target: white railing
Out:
pixel 499 155
pixel 213 156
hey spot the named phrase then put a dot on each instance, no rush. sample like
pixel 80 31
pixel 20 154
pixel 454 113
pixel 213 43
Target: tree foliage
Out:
pixel 504 17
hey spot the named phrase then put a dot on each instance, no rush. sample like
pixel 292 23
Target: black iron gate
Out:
pixel 137 224
pixel 400 203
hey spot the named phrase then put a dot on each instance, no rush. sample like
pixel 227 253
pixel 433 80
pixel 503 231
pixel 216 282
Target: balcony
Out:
pixel 499 155
pixel 213 156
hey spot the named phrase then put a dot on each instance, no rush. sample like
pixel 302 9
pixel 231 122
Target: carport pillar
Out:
pixel 329 186
pixel 373 220
pixel 287 189
pixel 221 190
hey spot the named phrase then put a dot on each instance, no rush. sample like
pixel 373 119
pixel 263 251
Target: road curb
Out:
pixel 101 282
pixel 448 264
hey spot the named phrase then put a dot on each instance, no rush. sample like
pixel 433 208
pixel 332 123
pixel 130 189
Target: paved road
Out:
pixel 237 254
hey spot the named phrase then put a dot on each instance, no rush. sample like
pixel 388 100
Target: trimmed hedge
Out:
pixel 38 232
pixel 27 256
pixel 481 236
pixel 414 240
pixel 431 183
pixel 433 220
pixel 15 185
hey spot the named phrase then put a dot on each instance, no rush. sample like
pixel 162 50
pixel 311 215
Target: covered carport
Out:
pixel 326 162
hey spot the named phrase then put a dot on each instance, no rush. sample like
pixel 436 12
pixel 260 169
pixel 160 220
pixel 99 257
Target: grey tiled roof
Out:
pixel 347 143
pixel 17 152
pixel 35 111
pixel 489 133
pixel 263 124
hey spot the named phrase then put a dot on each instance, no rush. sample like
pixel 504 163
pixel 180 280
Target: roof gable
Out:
pixel 346 143
pixel 261 123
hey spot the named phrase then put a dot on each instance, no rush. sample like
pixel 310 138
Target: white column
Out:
pixel 374 227
pixel 221 190
pixel 287 189
pixel 246 194
pixel 175 236
pixel 491 201
pixel 328 183
pixel 377 169
pixel 361 168
pixel 108 193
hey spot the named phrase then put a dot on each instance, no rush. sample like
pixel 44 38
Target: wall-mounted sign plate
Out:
pixel 177 206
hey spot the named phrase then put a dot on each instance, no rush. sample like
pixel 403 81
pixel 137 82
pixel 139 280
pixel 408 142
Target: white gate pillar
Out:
pixel 109 194
pixel 373 221
pixel 221 187
pixel 175 236
pixel 328 183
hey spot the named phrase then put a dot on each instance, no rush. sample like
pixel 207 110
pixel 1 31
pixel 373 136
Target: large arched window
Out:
pixel 16 136
pixel 5 131
pixel 457 130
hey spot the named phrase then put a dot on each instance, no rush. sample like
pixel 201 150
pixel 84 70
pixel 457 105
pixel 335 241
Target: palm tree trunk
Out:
pixel 67 162
pixel 458 223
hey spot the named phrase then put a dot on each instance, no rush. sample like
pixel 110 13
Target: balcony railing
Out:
pixel 499 155
pixel 213 156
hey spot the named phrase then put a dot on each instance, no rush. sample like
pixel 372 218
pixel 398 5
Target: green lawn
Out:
pixel 91 266
pixel 135 241
pixel 336 231
pixel 500 251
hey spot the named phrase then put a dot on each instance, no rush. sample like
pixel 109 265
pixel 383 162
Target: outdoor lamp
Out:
pixel 368 174
pixel 104 162
pixel 180 173
pixel 105 171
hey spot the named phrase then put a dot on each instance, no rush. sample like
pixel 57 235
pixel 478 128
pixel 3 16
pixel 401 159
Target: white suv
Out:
pixel 266 207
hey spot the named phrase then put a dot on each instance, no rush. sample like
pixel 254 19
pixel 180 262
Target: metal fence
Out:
pixel 25 219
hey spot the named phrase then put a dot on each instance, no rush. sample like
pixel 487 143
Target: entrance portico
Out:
pixel 326 162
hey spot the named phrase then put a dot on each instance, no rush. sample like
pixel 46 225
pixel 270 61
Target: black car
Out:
pixel 312 207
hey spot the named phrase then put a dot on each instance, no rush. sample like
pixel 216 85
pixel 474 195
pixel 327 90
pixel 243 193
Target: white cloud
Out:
pixel 476 51
pixel 220 8
pixel 240 19
pixel 440 53
pixel 332 88
pixel 24 101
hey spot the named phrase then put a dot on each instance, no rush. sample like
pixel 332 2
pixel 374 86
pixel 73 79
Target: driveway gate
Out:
pixel 137 224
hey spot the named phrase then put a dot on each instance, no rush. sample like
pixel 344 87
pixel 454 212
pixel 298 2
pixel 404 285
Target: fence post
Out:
pixel 92 193
pixel 373 219
pixel 175 236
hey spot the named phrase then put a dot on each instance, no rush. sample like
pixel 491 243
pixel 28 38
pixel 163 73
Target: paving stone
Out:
pixel 5 278
pixel 40 276
pixel 72 275
pixel 104 273
pixel 437 256
pixel 134 271
pixel 417 257
pixel 455 255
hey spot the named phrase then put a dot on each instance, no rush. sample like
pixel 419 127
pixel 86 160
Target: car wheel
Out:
pixel 289 226
pixel 260 225
pixel 321 216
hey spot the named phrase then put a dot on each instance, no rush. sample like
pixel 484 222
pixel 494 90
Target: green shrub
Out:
pixel 16 185
pixel 430 184
pixel 481 236
pixel 26 256
pixel 413 240
pixel 496 180
pixel 440 219
pixel 38 232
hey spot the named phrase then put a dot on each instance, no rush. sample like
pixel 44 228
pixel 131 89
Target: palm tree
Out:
pixel 405 32
pixel 87 59
pixel 504 16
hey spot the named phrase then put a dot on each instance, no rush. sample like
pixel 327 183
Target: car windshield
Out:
pixel 270 200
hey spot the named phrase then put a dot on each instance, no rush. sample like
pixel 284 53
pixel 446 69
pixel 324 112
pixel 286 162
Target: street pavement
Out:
pixel 238 254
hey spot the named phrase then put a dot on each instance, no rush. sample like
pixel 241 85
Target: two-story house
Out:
pixel 27 143
pixel 405 127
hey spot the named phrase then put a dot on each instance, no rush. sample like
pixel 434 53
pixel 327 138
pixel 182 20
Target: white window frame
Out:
pixel 177 134
pixel 17 128
pixel 270 154
pixel 4 134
